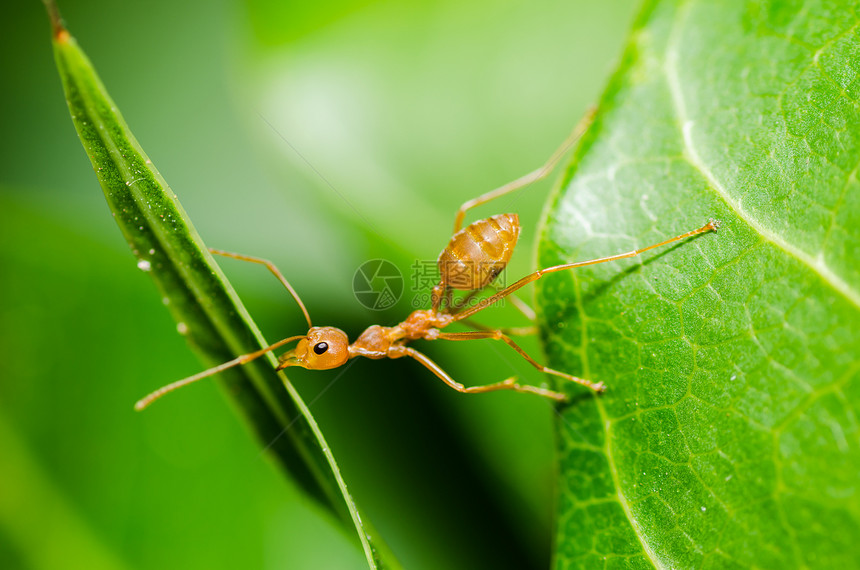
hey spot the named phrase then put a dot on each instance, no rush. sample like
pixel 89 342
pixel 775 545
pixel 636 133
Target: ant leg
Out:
pixel 457 305
pixel 274 270
pixel 440 296
pixel 499 335
pixel 507 384
pixel 512 331
pixel 519 304
pixel 531 177
pixel 449 298
pixel 527 311
pixel 524 308
pixel 484 303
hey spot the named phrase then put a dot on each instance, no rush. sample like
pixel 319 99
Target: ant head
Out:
pixel 321 349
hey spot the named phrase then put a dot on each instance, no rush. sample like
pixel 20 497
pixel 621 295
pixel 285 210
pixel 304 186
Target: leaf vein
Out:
pixel 815 263
pixel 607 442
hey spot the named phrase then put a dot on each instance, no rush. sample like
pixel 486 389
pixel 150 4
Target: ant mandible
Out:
pixel 470 262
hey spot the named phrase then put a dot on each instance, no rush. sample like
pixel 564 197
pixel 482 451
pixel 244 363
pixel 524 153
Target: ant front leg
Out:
pixel 531 177
pixel 499 335
pixel 507 384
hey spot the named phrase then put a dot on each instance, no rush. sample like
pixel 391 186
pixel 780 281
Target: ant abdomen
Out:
pixel 479 252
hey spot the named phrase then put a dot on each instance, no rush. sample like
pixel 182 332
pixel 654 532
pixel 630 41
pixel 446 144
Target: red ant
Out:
pixel 472 259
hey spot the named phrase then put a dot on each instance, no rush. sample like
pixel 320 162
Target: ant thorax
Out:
pixel 373 343
pixel 423 324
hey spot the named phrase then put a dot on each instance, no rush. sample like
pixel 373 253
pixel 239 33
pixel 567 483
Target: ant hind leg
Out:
pixel 507 384
pixel 499 335
pixel 531 177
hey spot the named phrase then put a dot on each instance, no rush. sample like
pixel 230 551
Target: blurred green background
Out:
pixel 406 110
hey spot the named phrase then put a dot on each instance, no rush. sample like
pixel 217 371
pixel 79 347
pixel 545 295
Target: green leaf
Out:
pixel 728 436
pixel 198 295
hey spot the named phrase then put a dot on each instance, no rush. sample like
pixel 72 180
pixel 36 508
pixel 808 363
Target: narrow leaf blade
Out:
pixel 198 294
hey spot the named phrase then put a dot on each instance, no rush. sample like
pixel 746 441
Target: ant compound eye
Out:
pixel 320 347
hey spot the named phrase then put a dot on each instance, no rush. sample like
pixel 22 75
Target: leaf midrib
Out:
pixel 691 155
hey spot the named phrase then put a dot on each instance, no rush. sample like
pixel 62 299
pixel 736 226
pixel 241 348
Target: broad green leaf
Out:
pixel 196 292
pixel 728 436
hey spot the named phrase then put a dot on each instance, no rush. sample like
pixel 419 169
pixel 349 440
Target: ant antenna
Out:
pixel 147 400
pixel 277 273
